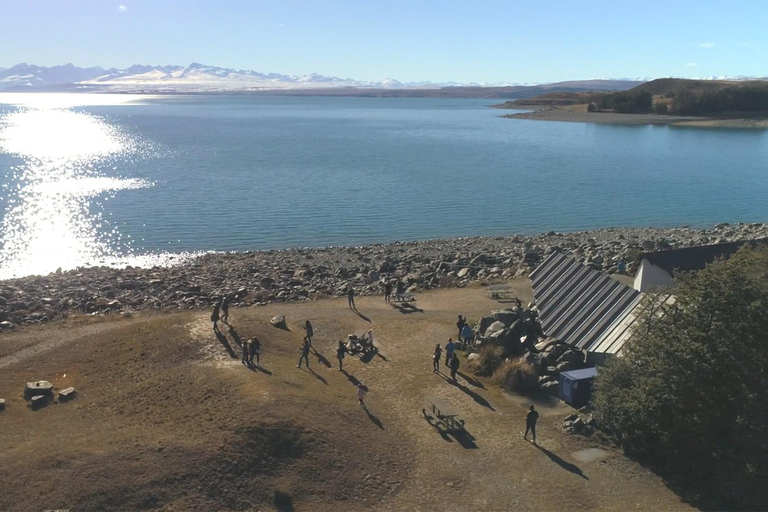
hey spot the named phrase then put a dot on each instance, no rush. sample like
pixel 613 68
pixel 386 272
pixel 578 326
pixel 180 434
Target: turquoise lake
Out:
pixel 93 179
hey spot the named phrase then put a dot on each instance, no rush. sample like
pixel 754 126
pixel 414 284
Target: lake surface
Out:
pixel 117 179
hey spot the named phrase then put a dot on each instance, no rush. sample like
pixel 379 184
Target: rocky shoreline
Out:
pixel 265 277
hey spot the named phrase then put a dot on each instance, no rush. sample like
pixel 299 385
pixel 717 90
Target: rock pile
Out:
pixel 582 423
pixel 265 277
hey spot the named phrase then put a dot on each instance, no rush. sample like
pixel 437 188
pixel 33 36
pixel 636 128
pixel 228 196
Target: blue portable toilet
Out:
pixel 576 386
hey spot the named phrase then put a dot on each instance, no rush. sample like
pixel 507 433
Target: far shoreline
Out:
pixel 571 115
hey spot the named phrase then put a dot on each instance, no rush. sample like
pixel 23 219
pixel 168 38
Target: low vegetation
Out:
pixel 516 375
pixel 490 358
pixel 690 393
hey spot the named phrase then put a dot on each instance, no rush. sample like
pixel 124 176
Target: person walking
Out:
pixel 400 290
pixel 449 348
pixel 530 423
pixel 215 317
pixel 225 308
pixel 304 353
pixel 341 351
pixel 310 331
pixel 351 297
pixel 246 353
pixel 361 394
pixel 255 350
pixel 454 366
pixel 460 324
pixel 436 358
pixel 387 291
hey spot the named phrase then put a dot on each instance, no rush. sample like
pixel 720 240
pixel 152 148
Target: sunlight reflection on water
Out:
pixel 49 221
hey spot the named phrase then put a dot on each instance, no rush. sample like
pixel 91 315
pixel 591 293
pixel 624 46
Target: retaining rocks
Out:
pixel 265 277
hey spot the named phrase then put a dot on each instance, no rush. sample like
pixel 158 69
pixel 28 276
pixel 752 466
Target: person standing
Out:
pixel 215 317
pixel 467 335
pixel 387 291
pixel 454 367
pixel 255 350
pixel 351 297
pixel 225 308
pixel 436 358
pixel 449 348
pixel 304 353
pixel 460 324
pixel 530 423
pixel 246 353
pixel 361 394
pixel 400 290
pixel 340 353
pixel 310 331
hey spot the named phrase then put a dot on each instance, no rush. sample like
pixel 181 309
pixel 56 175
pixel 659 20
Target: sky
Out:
pixel 513 41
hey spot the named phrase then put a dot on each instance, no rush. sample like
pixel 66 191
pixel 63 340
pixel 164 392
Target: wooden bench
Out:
pixel 447 418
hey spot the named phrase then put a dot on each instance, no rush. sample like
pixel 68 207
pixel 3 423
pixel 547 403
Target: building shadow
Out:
pixel 471 380
pixel 225 343
pixel 351 378
pixel 376 421
pixel 562 463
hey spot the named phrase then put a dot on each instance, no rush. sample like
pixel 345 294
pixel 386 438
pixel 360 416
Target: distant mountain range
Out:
pixel 200 78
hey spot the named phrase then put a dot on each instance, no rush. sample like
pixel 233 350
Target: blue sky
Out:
pixel 463 41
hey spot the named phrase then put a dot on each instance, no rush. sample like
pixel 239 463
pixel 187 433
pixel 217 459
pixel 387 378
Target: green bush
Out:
pixel 490 358
pixel 516 375
pixel 690 392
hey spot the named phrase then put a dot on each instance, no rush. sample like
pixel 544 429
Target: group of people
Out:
pixel 251 348
pixel 451 358
pixel 221 312
pixel 354 345
pixel 399 289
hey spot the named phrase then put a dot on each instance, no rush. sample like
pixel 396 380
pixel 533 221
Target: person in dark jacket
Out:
pixel 460 324
pixel 215 318
pixel 225 308
pixel 351 297
pixel 340 353
pixel 255 350
pixel 454 367
pixel 304 353
pixel 530 423
pixel 310 331
pixel 387 291
pixel 436 358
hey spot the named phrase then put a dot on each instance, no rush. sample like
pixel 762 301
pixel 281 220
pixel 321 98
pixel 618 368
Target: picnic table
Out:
pixel 500 292
pixel 404 297
pixel 447 418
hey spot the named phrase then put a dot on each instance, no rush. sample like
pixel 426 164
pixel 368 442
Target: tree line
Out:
pixel 729 99
pixel 623 102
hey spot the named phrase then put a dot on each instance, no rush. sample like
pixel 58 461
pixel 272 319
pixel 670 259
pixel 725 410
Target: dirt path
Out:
pixel 145 381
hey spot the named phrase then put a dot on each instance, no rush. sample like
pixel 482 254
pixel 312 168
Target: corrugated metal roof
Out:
pixel 583 307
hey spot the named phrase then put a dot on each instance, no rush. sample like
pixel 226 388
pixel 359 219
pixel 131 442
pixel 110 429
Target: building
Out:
pixel 657 269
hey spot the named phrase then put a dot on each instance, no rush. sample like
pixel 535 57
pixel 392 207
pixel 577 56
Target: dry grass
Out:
pixel 516 375
pixel 490 359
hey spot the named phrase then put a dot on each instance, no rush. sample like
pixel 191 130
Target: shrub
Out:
pixel 690 392
pixel 490 359
pixel 516 375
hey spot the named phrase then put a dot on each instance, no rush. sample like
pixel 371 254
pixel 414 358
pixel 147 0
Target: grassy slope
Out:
pixel 165 418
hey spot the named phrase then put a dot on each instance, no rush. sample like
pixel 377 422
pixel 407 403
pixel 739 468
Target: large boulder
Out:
pixel 495 327
pixel 566 366
pixel 552 387
pixel 483 323
pixel 571 356
pixel 505 316
pixel 279 322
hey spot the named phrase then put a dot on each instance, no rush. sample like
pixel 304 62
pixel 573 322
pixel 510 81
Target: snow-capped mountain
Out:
pixel 195 77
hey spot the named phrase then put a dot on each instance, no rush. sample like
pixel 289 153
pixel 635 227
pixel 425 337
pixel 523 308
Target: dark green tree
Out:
pixel 690 392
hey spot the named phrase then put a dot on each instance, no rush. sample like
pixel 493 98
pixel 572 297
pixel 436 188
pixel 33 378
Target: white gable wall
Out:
pixel 650 277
